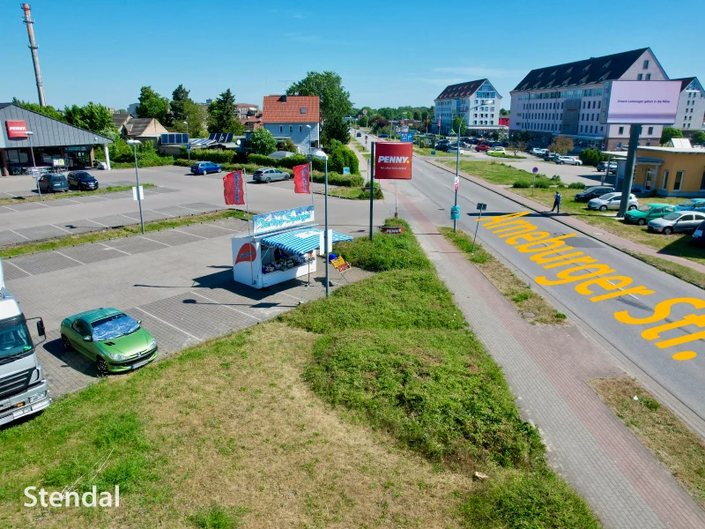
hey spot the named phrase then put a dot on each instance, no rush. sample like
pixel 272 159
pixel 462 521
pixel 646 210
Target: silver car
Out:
pixel 678 221
pixel 270 174
pixel 611 201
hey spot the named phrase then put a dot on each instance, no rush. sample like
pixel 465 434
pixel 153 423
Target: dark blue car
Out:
pixel 205 168
pixel 53 183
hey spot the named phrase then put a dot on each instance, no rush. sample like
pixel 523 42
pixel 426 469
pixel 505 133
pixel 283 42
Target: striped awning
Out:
pixel 301 241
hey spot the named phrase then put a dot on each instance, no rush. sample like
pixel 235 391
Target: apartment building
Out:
pixel 477 102
pixel 691 106
pixel 572 100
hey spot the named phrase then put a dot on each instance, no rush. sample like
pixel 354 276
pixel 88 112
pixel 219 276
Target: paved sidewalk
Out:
pixel 547 368
pixel 574 223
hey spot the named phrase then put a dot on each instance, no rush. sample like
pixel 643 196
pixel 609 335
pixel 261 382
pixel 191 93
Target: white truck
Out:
pixel 23 389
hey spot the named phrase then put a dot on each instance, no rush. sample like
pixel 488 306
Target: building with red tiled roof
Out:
pixel 295 117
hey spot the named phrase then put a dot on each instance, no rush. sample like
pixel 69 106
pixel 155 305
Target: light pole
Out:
pixel 34 164
pixel 134 144
pixel 325 215
pixel 188 144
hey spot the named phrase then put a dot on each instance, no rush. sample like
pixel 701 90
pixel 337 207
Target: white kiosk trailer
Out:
pixel 283 246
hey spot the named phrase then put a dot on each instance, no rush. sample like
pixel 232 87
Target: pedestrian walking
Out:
pixel 556 202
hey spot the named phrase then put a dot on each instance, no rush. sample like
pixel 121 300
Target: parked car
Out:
pixel 383 135
pixel 497 144
pixel 205 168
pixel 270 174
pixel 456 149
pixel 538 152
pixel 97 164
pixel 482 148
pixel 678 221
pixel 550 156
pixel 82 180
pixel 498 149
pixel 699 234
pixel 570 160
pixel 442 147
pixel 53 183
pixel 611 201
pixel 648 212
pixel 113 340
pixel 602 167
pixel 694 204
pixel 593 192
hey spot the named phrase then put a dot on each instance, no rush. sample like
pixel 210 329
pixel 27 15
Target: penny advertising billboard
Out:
pixel 393 161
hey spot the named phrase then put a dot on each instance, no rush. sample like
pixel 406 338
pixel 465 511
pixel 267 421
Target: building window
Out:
pixel 621 131
pixel 291 129
pixel 651 131
pixel 679 180
pixel 281 129
pixel 646 64
pixel 301 129
pixel 599 104
pixel 639 77
pixel 664 182
pixel 648 77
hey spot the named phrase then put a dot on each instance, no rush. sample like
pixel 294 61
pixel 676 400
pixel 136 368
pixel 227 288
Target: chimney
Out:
pixel 33 47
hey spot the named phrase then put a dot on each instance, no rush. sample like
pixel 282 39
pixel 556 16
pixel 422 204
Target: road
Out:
pixel 431 189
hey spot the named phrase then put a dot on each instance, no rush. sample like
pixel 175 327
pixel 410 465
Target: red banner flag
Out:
pixel 439 123
pixel 302 179
pixel 234 188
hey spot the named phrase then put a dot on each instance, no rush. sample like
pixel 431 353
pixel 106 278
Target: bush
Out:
pixel 205 155
pixel 542 183
pixel 290 162
pixel 556 178
pixel 335 179
pixel 521 184
pixel 592 157
pixel 576 185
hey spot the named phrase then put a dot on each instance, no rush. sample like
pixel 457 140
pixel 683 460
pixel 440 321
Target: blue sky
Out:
pixel 389 53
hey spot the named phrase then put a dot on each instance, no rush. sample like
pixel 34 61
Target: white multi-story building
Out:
pixel 476 102
pixel 572 100
pixel 691 106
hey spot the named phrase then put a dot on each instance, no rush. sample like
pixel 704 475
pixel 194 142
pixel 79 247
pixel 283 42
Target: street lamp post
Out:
pixel 134 144
pixel 188 150
pixel 34 164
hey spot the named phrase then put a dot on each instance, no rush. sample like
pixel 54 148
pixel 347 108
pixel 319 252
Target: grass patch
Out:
pixel 114 233
pixel 356 193
pixel 500 155
pixel 217 517
pixel 524 299
pixel 678 270
pixel 70 194
pixel 659 430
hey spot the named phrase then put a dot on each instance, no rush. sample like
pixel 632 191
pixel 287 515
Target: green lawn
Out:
pixel 356 193
pixel 70 194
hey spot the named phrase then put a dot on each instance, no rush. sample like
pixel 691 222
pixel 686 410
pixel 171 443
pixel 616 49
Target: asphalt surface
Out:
pixel 432 190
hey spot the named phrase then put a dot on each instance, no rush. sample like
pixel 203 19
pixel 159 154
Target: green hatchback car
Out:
pixel 113 340
pixel 646 212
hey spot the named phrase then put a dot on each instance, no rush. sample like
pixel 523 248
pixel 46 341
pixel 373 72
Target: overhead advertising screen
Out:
pixel 644 102
pixel 393 160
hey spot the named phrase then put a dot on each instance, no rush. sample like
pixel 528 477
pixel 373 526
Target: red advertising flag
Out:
pixel 439 122
pixel 234 188
pixel 302 179
pixel 393 161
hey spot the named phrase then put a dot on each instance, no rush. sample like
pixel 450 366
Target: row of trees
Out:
pixel 93 116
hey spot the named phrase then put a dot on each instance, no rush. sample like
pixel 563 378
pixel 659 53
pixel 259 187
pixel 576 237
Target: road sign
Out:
pixel 457 183
pixel 481 206
pixel 454 212
pixel 346 170
pixel 364 111
pixel 134 193
pixel 188 146
pixel 406 137
pixel 535 170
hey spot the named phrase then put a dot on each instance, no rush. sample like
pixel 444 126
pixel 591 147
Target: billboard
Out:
pixel 16 128
pixel 393 161
pixel 286 218
pixel 643 102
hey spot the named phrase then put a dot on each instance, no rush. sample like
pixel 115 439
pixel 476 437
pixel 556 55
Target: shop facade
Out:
pixel 29 140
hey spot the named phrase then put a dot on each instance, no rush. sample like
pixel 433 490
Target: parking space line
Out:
pixel 41 203
pixel 98 223
pixel 8 207
pixel 190 209
pixel 72 200
pixel 224 305
pixel 13 231
pixel 127 217
pixel 8 261
pixel 170 325
pixel 187 233
pixel 223 228
pixel 152 240
pixel 69 257
pixel 160 213
pixel 116 249
pixel 60 228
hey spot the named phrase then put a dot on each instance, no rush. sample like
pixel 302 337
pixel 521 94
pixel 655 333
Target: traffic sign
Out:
pixel 535 170
pixel 481 206
pixel 454 212
pixel 364 111
pixel 457 183
pixel 188 146
pixel 406 137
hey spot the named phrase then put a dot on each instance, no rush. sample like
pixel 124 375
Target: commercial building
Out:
pixel 53 143
pixel 476 102
pixel 287 116
pixel 691 106
pixel 572 99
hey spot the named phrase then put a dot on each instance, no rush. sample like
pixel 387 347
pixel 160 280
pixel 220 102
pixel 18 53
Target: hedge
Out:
pixel 205 155
pixel 289 163
pixel 144 162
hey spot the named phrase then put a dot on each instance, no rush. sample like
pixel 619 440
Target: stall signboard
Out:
pixel 16 128
pixel 246 253
pixel 278 220
pixel 393 161
pixel 340 264
pixel 77 148
pixel 392 230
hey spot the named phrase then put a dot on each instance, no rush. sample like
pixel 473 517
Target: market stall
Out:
pixel 283 246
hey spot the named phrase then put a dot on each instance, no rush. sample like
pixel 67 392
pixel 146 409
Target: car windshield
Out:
pixel 607 196
pixel 689 204
pixel 113 327
pixel 673 216
pixel 85 176
pixel 14 338
pixel 57 179
pixel 645 208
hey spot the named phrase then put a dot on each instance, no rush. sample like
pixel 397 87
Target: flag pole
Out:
pixel 310 181
pixel 252 239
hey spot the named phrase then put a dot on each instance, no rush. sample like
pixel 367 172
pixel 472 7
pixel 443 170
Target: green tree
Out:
pixel 561 145
pixel 457 125
pixel 289 145
pixel 335 128
pixel 197 118
pixel 94 117
pixel 222 115
pixel 179 98
pixel 263 142
pixel 670 133
pixel 698 137
pixel 47 111
pixel 363 121
pixel 153 105
pixel 503 112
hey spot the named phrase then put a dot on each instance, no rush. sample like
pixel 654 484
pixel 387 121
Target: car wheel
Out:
pixel 632 207
pixel 220 169
pixel 287 176
pixel 267 179
pixel 603 208
pixel 102 366
pixel 667 230
pixel 641 222
pixel 66 343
